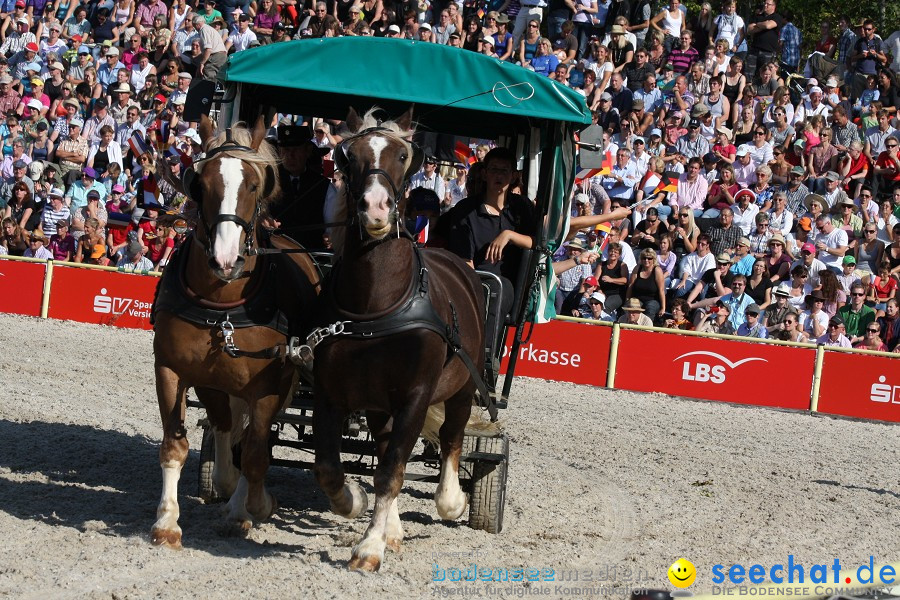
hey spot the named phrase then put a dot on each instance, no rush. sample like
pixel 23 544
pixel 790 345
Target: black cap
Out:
pixel 709 157
pixel 278 25
pixel 294 135
pixel 694 123
pixel 101 103
pixel 836 320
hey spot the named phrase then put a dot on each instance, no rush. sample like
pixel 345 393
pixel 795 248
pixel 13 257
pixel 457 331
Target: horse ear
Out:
pixel 259 133
pixel 206 130
pixel 404 121
pixel 354 123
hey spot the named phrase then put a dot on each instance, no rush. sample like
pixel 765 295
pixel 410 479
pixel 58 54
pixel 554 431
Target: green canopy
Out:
pixel 453 89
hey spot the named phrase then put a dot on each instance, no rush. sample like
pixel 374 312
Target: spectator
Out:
pixel 134 259
pixel 752 326
pixel 54 212
pixel 214 53
pixel 743 259
pixel 831 243
pixel 792 331
pixel 62 244
pixel 724 237
pixel 693 266
pixel 765 29
pixel 634 313
pixel 855 315
pixel 596 309
pixel 835 334
pixel 612 275
pixel 889 324
pixel 36 247
pixel 13 238
pixel 571 280
pixel 871 339
pixel 775 314
pixel 647 284
pixel 717 320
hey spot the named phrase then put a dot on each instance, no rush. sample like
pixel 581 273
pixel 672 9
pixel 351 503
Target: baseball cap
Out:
pixel 394 29
pixel 35 104
pixel 159 98
pixel 598 297
pixel 113 51
pixel 606 96
pixel 56 193
pixel 83 50
pixel 32 47
pixel 836 320
pixel 656 131
pixel 849 260
pixel 592 281
pixel 101 103
pixel 815 90
pixel 742 151
pixel 798 170
pixel 744 241
pixel 119 188
pixel 808 247
pixel 89 172
pixel 76 122
pixel 694 123
pixel 805 223
pixel 753 309
pixel 93 193
pixel 709 157
pixel 832 176
pixel 427 26
pixel 723 258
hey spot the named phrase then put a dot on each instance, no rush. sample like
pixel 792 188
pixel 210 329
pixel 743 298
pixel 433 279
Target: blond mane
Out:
pixel 264 156
pixel 337 211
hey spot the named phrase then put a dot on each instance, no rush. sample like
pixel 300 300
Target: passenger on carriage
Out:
pixel 305 191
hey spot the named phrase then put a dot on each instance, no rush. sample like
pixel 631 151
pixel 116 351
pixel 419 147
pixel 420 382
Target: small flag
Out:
pixel 605 169
pixel 602 230
pixel 422 229
pixel 137 144
pixel 480 13
pixel 151 190
pixel 162 134
pixel 462 152
pixel 668 183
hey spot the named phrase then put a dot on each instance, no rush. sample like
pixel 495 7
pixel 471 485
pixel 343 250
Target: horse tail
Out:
pixel 434 418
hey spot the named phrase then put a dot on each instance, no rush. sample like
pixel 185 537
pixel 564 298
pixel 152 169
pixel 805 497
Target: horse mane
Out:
pixel 337 211
pixel 264 156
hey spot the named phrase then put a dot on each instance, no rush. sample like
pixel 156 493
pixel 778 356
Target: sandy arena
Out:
pixel 597 478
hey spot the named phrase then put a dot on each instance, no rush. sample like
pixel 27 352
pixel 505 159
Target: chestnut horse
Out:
pixel 403 313
pixel 216 283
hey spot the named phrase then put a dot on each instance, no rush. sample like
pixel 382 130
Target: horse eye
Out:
pixel 403 157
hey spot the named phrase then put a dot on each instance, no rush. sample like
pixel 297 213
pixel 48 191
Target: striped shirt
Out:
pixel 791 39
pixel 50 217
pixel 845 46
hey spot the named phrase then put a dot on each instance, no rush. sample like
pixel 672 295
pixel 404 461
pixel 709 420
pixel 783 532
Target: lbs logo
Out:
pixel 884 392
pixel 713 370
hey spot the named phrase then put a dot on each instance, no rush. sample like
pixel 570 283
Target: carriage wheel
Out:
pixel 488 484
pixel 205 487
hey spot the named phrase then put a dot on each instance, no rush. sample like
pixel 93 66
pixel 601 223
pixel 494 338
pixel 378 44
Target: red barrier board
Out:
pixel 563 351
pixel 713 369
pixel 103 297
pixel 860 385
pixel 23 286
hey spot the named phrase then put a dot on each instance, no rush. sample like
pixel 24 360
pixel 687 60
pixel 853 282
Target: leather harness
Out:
pixel 258 309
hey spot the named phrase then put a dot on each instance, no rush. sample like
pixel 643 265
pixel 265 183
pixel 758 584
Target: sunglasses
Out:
pixel 786 322
pixel 857 294
pixel 891 145
pixel 872 330
pixel 832 325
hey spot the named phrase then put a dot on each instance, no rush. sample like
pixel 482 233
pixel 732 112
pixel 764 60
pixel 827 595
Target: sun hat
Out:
pixel 633 305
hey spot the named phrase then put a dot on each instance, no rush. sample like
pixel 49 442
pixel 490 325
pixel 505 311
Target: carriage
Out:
pixel 459 96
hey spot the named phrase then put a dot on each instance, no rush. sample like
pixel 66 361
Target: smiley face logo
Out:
pixel 682 573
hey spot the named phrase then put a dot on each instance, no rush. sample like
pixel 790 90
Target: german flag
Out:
pixel 668 183
pixel 605 169
pixel 462 152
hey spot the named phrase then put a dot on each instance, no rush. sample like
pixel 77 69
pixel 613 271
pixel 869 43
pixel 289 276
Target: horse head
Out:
pixel 230 185
pixel 376 161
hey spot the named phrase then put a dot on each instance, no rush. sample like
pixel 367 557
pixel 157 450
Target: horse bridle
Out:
pixel 193 191
pixel 342 161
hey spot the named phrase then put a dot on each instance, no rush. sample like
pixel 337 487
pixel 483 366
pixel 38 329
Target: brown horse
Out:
pixel 404 311
pixel 217 283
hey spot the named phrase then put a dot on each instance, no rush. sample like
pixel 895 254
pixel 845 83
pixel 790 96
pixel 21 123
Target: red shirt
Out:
pixel 886 162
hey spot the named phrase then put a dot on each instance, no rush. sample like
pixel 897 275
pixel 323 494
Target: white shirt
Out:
pixel 806 323
pixel 835 239
pixel 746 219
pixel 435 183
pixel 892 45
pixel 695 266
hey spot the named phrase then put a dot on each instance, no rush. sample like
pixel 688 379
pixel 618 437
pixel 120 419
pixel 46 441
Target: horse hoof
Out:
pixel 451 512
pixel 265 513
pixel 367 564
pixel 393 544
pixel 353 502
pixel 166 537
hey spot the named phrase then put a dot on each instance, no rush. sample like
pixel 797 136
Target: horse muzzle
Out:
pixel 227 274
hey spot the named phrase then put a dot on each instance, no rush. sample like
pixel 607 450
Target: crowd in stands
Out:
pixel 763 170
